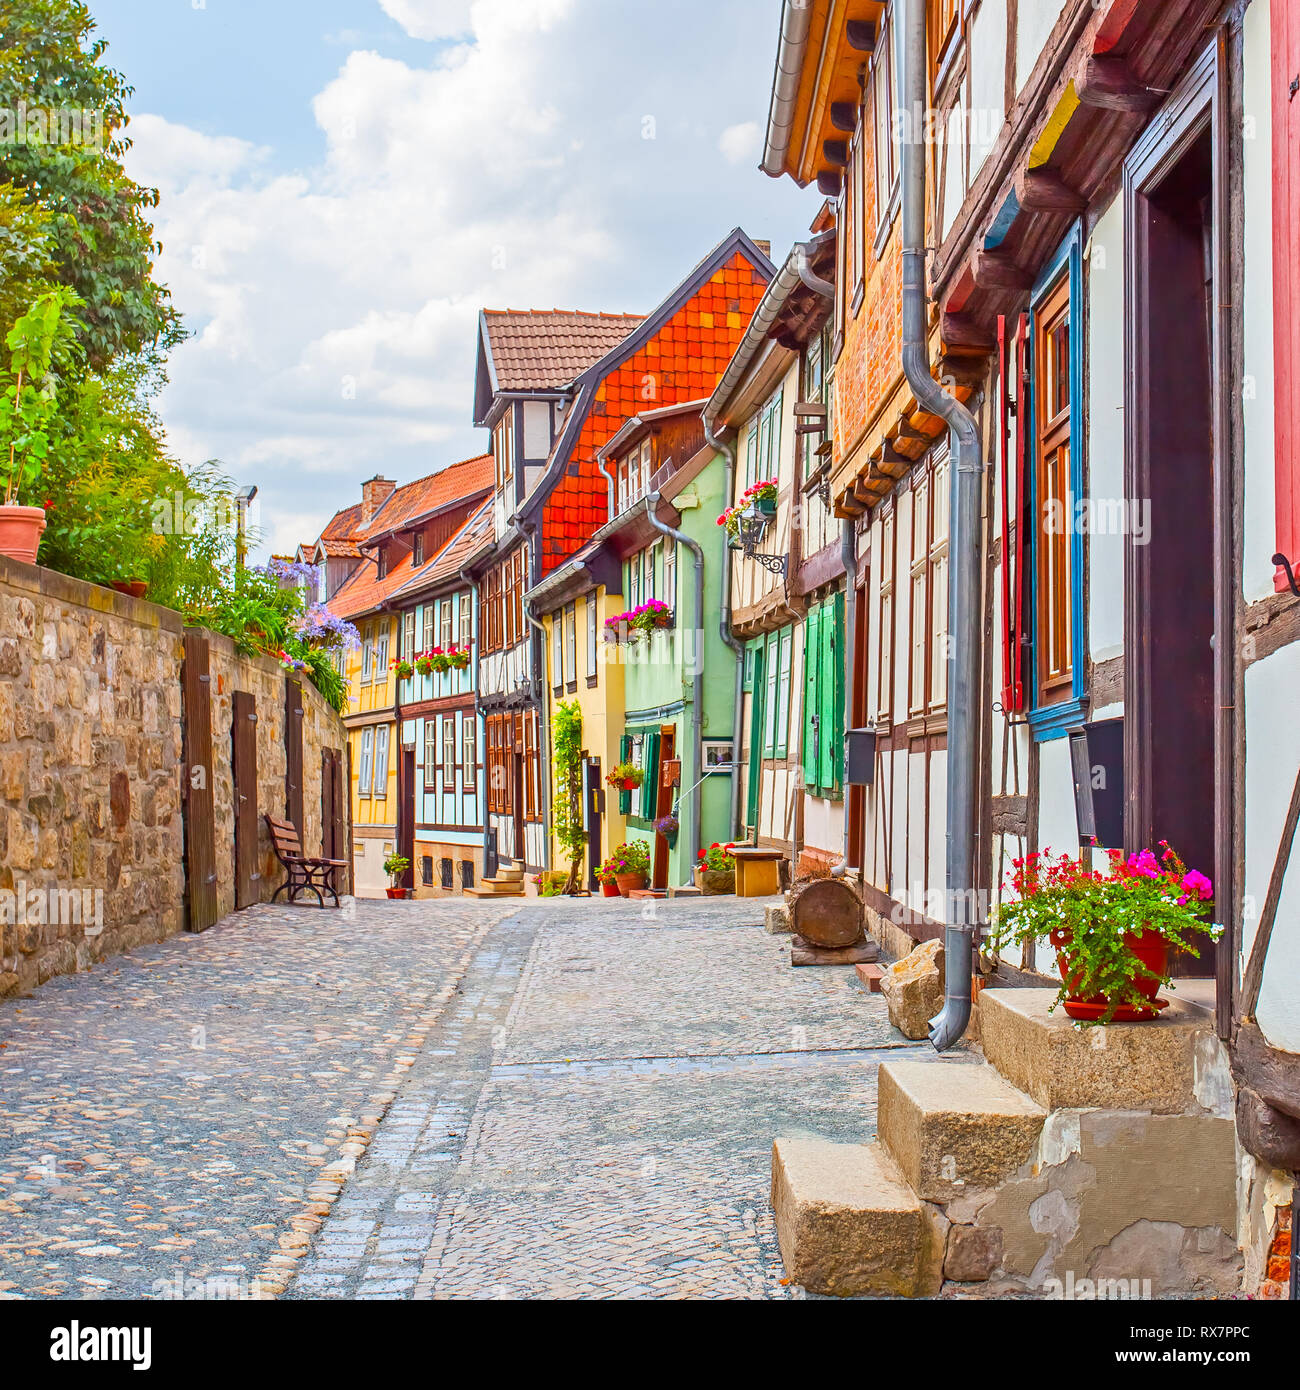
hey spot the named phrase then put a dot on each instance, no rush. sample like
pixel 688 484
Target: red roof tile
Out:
pixel 453 557
pixel 457 482
pixel 533 349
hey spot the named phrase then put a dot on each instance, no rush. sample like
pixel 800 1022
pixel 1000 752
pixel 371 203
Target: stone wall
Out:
pixel 92 847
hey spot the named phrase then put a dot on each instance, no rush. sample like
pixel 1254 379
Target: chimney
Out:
pixel 373 496
pixel 764 246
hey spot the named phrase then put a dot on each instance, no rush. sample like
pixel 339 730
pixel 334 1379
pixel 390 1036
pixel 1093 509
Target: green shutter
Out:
pixel 840 679
pixel 785 652
pixel 832 680
pixel 812 649
pixel 757 716
pixel 772 669
pixel 650 787
pixel 625 798
pixel 751 455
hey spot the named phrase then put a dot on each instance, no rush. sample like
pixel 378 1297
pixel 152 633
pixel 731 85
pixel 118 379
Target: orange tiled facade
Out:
pixel 682 362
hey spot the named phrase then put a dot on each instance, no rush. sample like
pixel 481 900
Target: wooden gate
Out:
pixel 196 786
pixel 333 784
pixel 293 720
pixel 248 887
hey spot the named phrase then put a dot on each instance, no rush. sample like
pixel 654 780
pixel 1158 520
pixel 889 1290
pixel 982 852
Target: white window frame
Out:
pixel 380 785
pixel 367 762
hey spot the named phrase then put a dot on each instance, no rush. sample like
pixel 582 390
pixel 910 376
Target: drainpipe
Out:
pixel 728 452
pixel 849 555
pixel 964 587
pixel 609 483
pixel 796 23
pixel 697 674
pixel 482 791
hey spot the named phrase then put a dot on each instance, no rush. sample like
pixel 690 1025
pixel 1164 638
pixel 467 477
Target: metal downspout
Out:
pixel 964 587
pixel 849 554
pixel 610 484
pixel 697 675
pixel 728 453
pixel 796 23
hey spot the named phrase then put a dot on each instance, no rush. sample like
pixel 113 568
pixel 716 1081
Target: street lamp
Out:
pixel 243 497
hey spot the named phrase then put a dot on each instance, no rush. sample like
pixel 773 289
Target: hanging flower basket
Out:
pixel 424 664
pixel 404 669
pixel 626 777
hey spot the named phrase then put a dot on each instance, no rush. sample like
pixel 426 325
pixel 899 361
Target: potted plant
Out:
pixel 715 874
pixel 761 498
pixel 424 664
pixel 404 669
pixel 625 777
pixel 457 659
pixel 40 342
pixel 668 826
pixel 1113 931
pixel 395 866
pixel 631 864
pixel 606 876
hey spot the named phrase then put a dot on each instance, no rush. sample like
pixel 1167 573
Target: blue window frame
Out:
pixel 1055 720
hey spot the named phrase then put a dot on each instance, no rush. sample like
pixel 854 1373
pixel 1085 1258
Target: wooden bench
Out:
pixel 318 876
pixel 758 871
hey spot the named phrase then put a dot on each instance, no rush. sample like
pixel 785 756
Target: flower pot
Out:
pixel 1150 948
pixel 631 883
pixel 401 894
pixel 630 784
pixel 610 890
pixel 715 883
pixel 765 507
pixel 20 532
pixel 132 588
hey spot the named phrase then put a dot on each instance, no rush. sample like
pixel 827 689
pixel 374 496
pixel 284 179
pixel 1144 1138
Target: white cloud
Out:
pixel 740 143
pixel 430 19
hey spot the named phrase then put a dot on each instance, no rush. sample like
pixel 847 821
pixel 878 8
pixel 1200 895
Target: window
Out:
pixel 885 631
pixel 367 655
pixel 770 666
pixel 466 638
pixel 939 501
pixel 381 563
pixel 881 82
pixel 381 654
pixel 823 721
pixel 670 574
pixel 503 447
pixel 928 615
pixel 381 761
pixel 500 744
pixel 408 635
pixel 528 728
pixel 557 651
pixel 786 652
pixel 445 633
pixel 367 762
pixel 430 754
pixel 427 625
pixel 1051 415
pixel 571 646
pixel 593 639
pixel 853 220
pixel 633 472
pixel 943 31
pixel 469 751
pixel 919 626
pixel 449 752
pixel 417 550
pixel 652 570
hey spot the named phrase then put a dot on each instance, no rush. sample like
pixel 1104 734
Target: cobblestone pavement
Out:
pixel 163 1116
pixel 593 1114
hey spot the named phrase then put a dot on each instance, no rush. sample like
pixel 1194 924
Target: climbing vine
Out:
pixel 570 833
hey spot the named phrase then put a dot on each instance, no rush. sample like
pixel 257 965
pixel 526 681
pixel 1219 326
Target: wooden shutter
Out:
pixel 1285 22
pixel 650 787
pixel 813 676
pixel 831 712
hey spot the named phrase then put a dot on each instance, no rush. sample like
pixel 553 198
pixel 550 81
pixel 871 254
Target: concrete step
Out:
pixel 954 1128
pixel 1125 1066
pixel 847 1223
pixel 509 873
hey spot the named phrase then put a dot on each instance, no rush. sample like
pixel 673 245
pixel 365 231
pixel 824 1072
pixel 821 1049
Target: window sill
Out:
pixel 1055 721
pixel 592 682
pixel 886 227
pixel 855 307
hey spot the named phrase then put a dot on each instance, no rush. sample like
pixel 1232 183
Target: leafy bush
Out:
pixel 631 858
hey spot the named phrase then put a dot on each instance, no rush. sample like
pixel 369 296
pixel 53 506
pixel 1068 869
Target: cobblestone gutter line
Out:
pixel 280 1268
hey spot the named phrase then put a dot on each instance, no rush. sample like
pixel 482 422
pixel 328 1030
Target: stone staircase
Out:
pixel 1098 1161
pixel 508 883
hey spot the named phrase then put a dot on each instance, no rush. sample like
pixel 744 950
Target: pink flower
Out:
pixel 1144 865
pixel 1197 883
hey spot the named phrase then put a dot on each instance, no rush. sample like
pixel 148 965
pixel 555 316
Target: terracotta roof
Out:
pixel 452 558
pixel 345 524
pixel 348 550
pixel 363 591
pixel 456 482
pixel 536 349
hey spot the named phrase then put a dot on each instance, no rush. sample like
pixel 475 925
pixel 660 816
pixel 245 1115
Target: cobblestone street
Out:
pixel 553 1099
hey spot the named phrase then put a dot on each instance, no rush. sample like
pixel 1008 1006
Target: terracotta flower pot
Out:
pixel 132 588
pixel 1150 948
pixel 610 890
pixel 20 532
pixel 631 883
pixel 398 894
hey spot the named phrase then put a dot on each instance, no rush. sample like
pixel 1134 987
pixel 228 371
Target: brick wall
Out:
pixel 91 814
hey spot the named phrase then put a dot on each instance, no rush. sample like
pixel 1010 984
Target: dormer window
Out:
pixel 633 475
pixel 381 563
pixel 503 447
pixel 417 550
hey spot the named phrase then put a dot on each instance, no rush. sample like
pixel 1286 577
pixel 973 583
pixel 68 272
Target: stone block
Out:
pixel 973 1255
pixel 848 1224
pixel 1125 1066
pixel 776 920
pixel 913 989
pixel 954 1127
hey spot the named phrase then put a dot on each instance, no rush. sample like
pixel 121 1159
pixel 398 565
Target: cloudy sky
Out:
pixel 345 183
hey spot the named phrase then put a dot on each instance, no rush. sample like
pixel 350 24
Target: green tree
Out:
pixel 64 111
pixel 567 757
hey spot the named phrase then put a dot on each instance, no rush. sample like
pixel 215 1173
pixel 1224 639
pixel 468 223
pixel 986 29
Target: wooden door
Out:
pixel 406 814
pixel 199 812
pixel 664 804
pixel 293 755
pixel 595 802
pixel 328 847
pixel 248 878
pixel 757 724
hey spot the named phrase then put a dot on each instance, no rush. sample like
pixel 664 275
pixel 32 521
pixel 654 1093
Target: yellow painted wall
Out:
pixel 366 697
pixel 602 706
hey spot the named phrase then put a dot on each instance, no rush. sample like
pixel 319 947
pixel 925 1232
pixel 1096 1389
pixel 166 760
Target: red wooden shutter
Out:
pixel 1286 277
pixel 1014 500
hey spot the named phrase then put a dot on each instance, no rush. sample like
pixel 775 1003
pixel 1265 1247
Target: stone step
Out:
pixel 496 888
pixel 1125 1066
pixel 847 1223
pixel 510 873
pixel 954 1128
pixel 871 976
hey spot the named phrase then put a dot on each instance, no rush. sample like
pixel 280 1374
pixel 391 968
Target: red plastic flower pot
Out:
pixel 1150 948
pixel 610 890
pixel 630 784
pixel 398 894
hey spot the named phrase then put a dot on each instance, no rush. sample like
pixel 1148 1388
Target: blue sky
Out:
pixel 345 183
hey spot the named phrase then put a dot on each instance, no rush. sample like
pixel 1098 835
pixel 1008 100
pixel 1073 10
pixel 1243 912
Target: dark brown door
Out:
pixel 293 718
pixel 517 789
pixel 328 842
pixel 595 797
pixel 199 818
pixel 663 804
pixel 406 815
pixel 248 885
